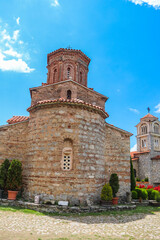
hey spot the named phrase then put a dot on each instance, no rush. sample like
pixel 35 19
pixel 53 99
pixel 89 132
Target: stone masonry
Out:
pixel 67 149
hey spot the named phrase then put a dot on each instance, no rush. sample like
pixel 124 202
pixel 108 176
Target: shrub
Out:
pixel 138 179
pixel 138 190
pixel 146 179
pixel 153 194
pixel 144 194
pixel 132 177
pixel 142 180
pixel 106 193
pixel 3 173
pixel 14 176
pixel 157 197
pixel 149 190
pixel 134 195
pixel 114 183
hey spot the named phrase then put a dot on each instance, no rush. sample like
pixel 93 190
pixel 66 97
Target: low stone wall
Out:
pixel 64 209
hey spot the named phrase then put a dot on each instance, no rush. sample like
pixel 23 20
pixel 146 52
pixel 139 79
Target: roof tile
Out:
pixel 16 119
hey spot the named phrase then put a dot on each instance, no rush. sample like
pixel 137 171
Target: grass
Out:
pixel 138 210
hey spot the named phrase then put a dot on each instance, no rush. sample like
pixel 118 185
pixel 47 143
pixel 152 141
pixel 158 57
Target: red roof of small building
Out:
pixel 135 159
pixel 16 119
pixel 156 157
pixel 149 116
pixel 136 153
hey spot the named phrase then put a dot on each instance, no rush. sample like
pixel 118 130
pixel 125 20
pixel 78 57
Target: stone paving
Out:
pixel 17 225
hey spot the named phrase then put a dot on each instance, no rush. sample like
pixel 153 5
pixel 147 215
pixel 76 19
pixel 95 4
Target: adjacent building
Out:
pixel 146 160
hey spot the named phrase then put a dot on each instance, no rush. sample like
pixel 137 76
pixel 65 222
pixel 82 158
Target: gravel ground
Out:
pixel 17 225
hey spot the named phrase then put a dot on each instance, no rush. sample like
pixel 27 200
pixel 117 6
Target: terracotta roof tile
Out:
pixel 135 159
pixel 136 153
pixel 63 100
pixel 156 157
pixel 149 116
pixel 16 119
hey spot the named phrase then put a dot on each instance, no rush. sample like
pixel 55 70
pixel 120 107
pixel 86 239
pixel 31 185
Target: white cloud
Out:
pixel 17 20
pixel 10 58
pixel 5 35
pixel 14 65
pixel 154 3
pixel 134 148
pixel 20 42
pixel 13 53
pixel 15 35
pixel 134 110
pixel 55 3
pixel 157 108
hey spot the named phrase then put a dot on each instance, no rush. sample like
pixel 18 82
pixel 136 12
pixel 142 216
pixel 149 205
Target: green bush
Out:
pixel 134 195
pixel 138 190
pixel 153 194
pixel 149 193
pixel 132 177
pixel 114 183
pixel 157 197
pixel 14 176
pixel 3 174
pixel 138 179
pixel 106 193
pixel 142 180
pixel 144 194
pixel 146 179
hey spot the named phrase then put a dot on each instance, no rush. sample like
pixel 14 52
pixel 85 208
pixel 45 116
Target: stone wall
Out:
pixel 135 166
pixel 144 166
pixel 117 158
pixel 13 141
pixel 98 151
pixel 54 91
pixel 155 172
pixel 48 128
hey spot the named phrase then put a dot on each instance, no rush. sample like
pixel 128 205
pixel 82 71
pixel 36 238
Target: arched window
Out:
pixel 144 145
pixel 55 75
pixel 67 155
pixel 143 129
pixel 80 77
pixel 68 72
pixel 156 128
pixel 135 172
pixel 156 143
pixel 69 94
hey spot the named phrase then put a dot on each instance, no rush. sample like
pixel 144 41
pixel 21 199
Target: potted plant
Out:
pixel 106 194
pixel 3 176
pixel 114 183
pixel 14 179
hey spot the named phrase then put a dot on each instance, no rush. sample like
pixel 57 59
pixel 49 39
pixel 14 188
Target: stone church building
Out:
pixel 146 160
pixel 68 150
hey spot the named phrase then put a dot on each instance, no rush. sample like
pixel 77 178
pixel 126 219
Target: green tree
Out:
pixel 3 173
pixel 14 177
pixel 114 183
pixel 132 177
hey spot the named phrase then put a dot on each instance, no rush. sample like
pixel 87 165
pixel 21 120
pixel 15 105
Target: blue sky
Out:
pixel 121 37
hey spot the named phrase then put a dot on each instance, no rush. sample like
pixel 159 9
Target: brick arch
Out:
pixel 71 66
